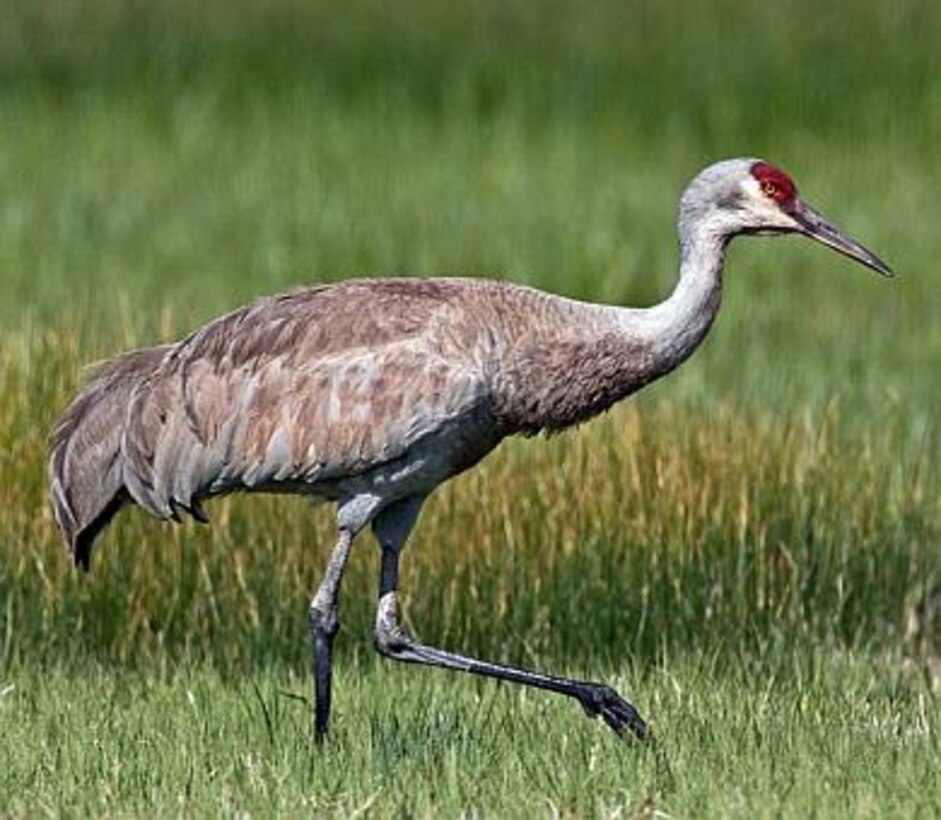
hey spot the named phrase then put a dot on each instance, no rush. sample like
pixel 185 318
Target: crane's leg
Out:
pixel 394 642
pixel 323 618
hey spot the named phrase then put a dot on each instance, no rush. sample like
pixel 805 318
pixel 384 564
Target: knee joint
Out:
pixel 323 621
pixel 389 636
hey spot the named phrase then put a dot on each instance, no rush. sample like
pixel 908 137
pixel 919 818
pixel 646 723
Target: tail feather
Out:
pixel 86 472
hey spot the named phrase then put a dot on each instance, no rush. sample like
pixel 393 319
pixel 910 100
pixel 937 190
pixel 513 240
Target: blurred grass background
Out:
pixel 188 156
pixel 162 162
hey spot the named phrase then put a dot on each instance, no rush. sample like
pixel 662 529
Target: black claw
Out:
pixel 620 715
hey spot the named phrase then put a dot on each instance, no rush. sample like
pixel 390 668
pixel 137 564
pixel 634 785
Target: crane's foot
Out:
pixel 600 700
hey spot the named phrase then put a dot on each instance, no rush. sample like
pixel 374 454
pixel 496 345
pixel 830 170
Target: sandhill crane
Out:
pixel 370 393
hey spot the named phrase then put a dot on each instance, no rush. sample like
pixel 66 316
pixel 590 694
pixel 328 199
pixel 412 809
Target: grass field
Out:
pixel 827 736
pixel 751 549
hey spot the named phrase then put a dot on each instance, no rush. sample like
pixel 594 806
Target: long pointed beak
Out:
pixel 812 224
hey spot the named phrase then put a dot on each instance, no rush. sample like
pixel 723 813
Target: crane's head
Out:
pixel 751 196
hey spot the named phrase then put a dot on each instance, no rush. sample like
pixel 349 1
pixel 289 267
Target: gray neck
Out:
pixel 591 356
pixel 675 327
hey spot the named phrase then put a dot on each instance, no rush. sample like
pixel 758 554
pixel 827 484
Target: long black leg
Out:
pixel 324 621
pixel 597 699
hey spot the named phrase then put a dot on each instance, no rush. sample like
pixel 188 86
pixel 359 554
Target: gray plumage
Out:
pixel 370 393
pixel 87 467
pixel 385 387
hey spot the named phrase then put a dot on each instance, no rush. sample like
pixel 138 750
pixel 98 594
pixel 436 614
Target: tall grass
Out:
pixel 656 529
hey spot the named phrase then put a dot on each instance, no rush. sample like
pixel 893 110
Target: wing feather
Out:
pixel 299 390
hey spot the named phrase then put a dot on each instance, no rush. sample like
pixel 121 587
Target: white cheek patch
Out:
pixel 766 209
pixel 752 189
pixel 761 202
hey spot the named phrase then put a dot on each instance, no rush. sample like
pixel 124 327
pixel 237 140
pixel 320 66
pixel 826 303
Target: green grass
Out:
pixel 825 735
pixel 750 549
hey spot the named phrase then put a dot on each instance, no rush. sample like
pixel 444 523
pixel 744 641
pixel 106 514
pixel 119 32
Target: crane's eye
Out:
pixel 768 188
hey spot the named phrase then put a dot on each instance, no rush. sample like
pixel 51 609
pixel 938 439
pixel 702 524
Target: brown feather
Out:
pixel 384 387
pixel 85 465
